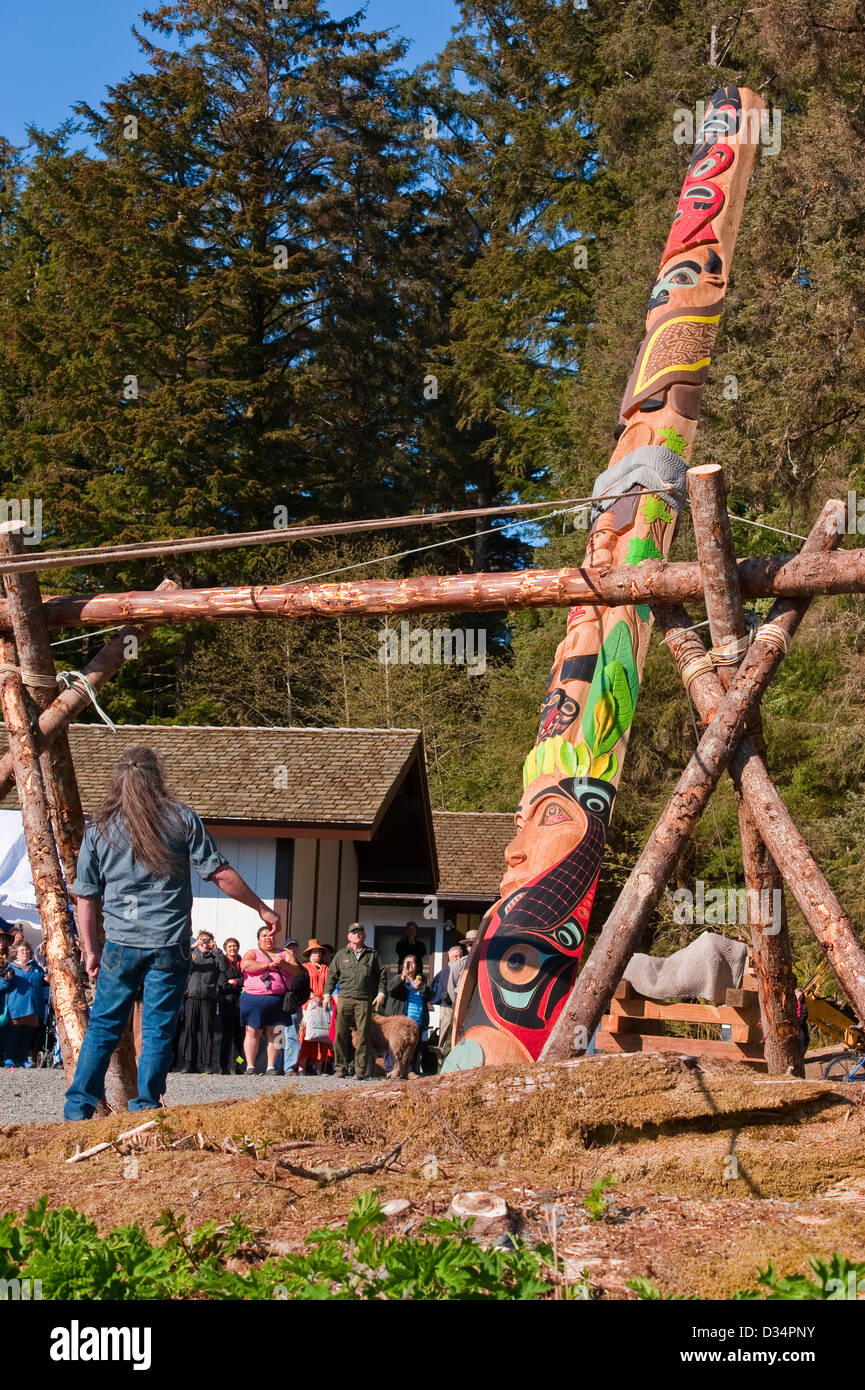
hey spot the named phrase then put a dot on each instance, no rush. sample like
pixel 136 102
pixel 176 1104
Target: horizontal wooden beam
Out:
pixel 652 581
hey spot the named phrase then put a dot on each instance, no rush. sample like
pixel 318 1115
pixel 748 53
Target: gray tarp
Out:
pixel 704 970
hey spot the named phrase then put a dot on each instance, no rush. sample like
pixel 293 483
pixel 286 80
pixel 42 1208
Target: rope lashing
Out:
pixel 36 678
pixel 731 653
pixel 696 666
pixel 775 635
pixel 68 679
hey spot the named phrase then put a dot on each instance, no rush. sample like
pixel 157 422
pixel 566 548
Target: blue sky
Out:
pixel 55 52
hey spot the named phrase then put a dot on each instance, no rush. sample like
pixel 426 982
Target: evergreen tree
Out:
pixel 516 156
pixel 226 321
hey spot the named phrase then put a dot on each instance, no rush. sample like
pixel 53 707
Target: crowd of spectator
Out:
pixel 271 1009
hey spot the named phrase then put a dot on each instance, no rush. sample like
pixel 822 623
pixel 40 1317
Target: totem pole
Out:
pixel 525 960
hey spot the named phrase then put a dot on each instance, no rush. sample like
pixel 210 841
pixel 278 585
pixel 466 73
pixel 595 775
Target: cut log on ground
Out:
pixel 773 958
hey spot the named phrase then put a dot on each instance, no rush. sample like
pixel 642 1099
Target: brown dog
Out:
pixel 397 1035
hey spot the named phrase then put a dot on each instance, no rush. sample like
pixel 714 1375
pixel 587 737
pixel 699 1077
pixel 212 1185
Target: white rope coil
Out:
pixel 731 652
pixel 68 679
pixel 695 666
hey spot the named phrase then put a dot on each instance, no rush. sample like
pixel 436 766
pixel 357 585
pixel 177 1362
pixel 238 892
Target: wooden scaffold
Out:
pixel 726 685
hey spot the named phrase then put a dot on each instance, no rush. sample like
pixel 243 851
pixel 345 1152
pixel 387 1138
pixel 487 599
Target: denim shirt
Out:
pixel 139 908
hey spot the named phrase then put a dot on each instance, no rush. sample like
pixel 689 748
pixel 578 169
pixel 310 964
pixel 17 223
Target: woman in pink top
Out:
pixel 267 974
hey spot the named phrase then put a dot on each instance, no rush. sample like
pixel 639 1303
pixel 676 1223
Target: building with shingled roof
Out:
pixel 327 825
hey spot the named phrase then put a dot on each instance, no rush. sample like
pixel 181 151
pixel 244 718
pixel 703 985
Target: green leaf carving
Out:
pixel 605 721
pixel 606 766
pixel 614 681
pixel 653 509
pixel 616 658
pixel 643 612
pixel 584 760
pixel 642 549
pixel 673 440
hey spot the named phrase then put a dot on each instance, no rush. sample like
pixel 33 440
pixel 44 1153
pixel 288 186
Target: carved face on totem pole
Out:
pixel 526 957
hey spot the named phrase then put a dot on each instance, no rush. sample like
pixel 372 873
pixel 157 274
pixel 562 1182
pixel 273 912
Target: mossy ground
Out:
pixel 716 1170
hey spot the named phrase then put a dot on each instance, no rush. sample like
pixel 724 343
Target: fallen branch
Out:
pixel 324 1176
pixel 111 1143
pixel 460 1145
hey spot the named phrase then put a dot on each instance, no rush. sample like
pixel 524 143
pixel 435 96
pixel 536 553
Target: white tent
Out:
pixel 17 894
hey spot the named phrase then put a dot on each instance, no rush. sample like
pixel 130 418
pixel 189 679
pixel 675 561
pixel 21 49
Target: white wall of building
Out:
pixel 323 897
pixel 324 890
pixel 254 859
pixel 395 915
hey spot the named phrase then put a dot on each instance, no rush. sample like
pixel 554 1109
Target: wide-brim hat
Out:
pixel 313 945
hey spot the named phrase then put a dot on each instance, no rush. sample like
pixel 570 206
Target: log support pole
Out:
pixel 767 908
pixel 61 950
pixel 66 706
pixel 804 878
pixel 51 748
pixel 36 660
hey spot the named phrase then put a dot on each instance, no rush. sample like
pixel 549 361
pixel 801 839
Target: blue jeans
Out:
pixel 164 973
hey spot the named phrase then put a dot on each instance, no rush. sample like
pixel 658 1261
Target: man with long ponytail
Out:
pixel 135 858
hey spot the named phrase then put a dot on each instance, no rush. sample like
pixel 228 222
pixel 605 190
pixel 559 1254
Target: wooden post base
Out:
pixel 637 1024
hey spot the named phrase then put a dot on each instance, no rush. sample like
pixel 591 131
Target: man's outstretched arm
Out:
pixel 228 881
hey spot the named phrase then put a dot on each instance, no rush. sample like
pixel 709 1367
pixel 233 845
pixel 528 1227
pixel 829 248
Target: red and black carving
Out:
pixel 533 939
pixel 701 198
pixel 558 712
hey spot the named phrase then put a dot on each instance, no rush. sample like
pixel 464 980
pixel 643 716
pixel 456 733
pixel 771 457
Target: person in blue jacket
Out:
pixel 23 988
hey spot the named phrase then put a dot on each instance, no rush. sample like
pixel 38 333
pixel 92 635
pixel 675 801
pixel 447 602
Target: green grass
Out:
pixel 63 1250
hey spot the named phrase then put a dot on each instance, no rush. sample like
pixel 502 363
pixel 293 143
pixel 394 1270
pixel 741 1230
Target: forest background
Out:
pixel 279 276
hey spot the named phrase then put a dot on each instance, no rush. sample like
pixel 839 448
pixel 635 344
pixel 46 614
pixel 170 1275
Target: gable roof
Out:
pixel 470 846
pixel 271 776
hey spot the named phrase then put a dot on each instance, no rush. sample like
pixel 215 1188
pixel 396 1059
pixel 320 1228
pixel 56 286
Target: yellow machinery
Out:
pixel 840 1022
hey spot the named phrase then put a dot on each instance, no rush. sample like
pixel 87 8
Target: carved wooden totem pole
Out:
pixel 527 955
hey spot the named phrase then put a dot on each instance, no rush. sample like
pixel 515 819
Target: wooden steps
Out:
pixel 637 1024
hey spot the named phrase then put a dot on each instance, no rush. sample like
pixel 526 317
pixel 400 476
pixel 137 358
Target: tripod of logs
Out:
pixel 725 684
pixel 727 694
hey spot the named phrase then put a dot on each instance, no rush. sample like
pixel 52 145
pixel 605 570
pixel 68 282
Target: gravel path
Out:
pixel 36 1097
